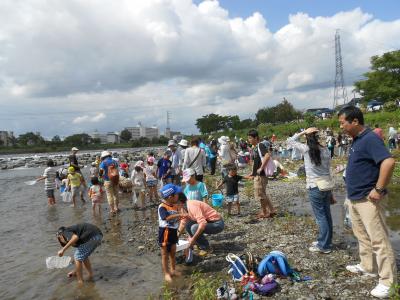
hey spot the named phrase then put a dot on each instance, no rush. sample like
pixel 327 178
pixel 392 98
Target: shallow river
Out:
pixel 27 234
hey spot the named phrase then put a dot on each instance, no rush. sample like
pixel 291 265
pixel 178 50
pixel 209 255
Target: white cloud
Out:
pixel 89 119
pixel 135 60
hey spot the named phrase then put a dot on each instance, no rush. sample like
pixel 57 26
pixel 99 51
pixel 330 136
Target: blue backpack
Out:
pixel 238 268
pixel 274 263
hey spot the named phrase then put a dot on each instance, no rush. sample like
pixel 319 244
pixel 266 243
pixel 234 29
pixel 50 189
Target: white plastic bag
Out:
pixel 66 196
pixel 56 262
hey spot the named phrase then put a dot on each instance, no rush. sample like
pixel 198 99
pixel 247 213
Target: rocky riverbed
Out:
pixel 288 232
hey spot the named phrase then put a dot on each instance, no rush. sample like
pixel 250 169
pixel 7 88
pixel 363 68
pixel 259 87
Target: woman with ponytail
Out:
pixel 317 161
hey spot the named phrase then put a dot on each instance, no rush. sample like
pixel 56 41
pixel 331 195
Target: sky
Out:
pixel 77 66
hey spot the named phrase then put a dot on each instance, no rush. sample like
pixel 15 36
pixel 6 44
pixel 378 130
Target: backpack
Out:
pixel 238 268
pixel 269 169
pixel 276 263
pixel 113 174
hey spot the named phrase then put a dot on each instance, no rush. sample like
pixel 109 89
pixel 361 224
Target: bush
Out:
pixel 390 106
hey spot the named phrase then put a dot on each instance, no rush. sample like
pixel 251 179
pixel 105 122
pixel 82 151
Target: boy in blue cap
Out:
pixel 168 218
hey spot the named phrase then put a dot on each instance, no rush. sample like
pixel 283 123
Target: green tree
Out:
pixel 126 135
pixel 283 112
pixel 211 123
pixel 30 139
pixel 383 81
pixel 56 139
pixel 81 139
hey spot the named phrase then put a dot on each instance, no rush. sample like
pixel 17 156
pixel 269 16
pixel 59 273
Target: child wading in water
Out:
pixel 231 182
pixel 50 182
pixel 75 180
pixel 96 194
pixel 168 218
pixel 151 179
pixel 138 182
pixel 85 237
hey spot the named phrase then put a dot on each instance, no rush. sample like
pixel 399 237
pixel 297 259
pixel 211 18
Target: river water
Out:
pixel 27 233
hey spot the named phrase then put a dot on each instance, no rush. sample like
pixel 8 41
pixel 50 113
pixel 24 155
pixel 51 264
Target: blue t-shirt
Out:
pixel 163 166
pixel 364 162
pixel 196 192
pixel 104 166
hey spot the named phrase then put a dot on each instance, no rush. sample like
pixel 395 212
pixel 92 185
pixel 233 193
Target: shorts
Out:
pixel 167 237
pixel 75 190
pixel 50 193
pixel 232 198
pixel 260 186
pixel 152 183
pixel 83 251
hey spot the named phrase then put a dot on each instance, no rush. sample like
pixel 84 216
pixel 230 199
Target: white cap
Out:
pixel 74 149
pixel 187 173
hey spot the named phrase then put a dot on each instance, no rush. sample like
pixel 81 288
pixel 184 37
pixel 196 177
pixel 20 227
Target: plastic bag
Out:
pixel 56 262
pixel 66 196
pixel 30 182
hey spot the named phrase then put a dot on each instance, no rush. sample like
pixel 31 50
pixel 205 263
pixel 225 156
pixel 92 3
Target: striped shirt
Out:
pixel 50 181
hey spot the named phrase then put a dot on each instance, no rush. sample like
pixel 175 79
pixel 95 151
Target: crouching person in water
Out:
pixel 200 218
pixel 85 238
pixel 168 217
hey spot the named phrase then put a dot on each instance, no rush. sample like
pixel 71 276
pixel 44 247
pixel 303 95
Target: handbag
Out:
pixel 325 184
pixel 269 169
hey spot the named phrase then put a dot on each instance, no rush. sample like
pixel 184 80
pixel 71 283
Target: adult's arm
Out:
pixel 294 143
pixel 199 231
pixel 385 174
pixel 186 159
pixel 70 243
pixel 204 159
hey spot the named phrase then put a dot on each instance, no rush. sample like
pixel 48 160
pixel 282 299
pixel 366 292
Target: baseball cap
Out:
pixel 74 149
pixel 170 189
pixel 71 169
pixel 186 174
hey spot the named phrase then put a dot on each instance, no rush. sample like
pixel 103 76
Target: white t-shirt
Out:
pixel 137 178
pixel 50 181
pixel 149 171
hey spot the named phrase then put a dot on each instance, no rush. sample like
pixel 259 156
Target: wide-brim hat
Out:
pixel 171 143
pixel 184 143
pixel 223 139
pixel 105 154
pixel 187 173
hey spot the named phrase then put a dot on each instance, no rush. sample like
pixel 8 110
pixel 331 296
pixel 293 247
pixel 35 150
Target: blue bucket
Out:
pixel 217 200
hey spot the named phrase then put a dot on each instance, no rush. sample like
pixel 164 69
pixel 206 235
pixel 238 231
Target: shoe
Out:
pixel 357 269
pixel 381 291
pixel 315 243
pixel 316 249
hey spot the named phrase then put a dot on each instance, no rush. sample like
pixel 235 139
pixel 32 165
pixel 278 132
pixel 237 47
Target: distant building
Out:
pixel 113 138
pixel 100 136
pixel 5 137
pixel 139 131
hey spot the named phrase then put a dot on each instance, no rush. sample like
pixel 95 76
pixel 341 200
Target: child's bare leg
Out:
pixel 238 206
pixel 94 209
pixel 73 201
pixel 99 205
pixel 164 263
pixel 229 207
pixel 141 197
pixel 88 267
pixel 172 261
pixel 78 271
pixel 49 201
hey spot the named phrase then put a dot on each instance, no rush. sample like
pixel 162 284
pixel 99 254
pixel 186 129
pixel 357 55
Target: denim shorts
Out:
pixel 83 251
pixel 232 198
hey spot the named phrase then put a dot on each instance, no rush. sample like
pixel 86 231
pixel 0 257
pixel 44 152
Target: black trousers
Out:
pixel 213 163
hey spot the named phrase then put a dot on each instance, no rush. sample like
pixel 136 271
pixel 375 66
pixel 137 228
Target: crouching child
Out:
pixel 85 237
